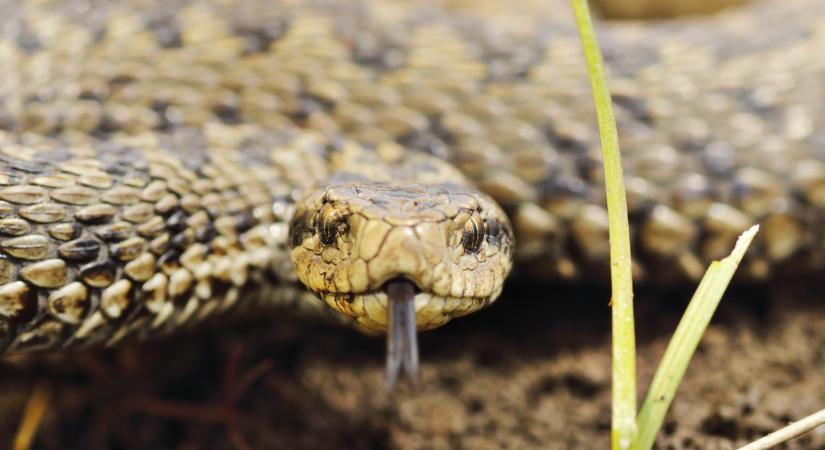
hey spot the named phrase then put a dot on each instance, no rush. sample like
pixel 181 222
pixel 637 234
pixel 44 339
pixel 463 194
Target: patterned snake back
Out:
pixel 153 154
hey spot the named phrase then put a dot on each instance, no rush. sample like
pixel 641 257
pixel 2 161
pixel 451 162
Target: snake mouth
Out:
pixel 370 309
pixel 402 341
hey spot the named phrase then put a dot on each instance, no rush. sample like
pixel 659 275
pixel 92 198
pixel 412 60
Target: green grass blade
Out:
pixel 685 340
pixel 623 339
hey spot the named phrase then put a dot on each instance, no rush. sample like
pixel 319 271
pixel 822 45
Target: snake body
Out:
pixel 162 164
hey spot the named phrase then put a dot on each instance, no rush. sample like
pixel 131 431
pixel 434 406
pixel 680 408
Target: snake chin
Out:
pixel 452 243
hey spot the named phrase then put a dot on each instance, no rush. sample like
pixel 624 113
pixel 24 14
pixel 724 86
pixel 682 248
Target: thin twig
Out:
pixel 179 410
pixel 237 390
pixel 251 376
pixel 789 432
pixel 225 411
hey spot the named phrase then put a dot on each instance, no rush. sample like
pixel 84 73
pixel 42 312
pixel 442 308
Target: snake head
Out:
pixel 452 244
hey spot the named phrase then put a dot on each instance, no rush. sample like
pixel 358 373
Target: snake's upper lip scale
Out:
pixel 402 344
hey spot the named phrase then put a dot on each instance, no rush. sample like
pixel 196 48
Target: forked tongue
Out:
pixel 402 344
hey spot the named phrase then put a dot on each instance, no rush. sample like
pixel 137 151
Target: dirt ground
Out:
pixel 530 372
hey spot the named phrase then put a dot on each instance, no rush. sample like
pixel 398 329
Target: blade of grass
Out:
pixel 32 416
pixel 789 432
pixel 685 340
pixel 623 334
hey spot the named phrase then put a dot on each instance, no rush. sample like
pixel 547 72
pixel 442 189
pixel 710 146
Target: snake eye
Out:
pixel 330 225
pixel 473 233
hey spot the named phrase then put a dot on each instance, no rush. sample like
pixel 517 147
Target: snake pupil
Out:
pixel 328 232
pixel 473 234
pixel 330 225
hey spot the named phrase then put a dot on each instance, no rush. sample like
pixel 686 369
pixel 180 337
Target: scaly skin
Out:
pixel 454 243
pixel 154 154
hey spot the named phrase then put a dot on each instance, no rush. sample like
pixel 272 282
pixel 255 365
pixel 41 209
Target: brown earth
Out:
pixel 530 372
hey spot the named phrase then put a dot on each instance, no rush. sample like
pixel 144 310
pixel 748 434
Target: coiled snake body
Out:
pixel 163 164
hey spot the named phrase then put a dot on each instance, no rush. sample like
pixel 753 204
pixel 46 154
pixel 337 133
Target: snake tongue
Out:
pixel 402 345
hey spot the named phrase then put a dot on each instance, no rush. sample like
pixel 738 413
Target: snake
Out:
pixel 167 164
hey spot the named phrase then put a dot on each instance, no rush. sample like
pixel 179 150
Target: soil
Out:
pixel 533 371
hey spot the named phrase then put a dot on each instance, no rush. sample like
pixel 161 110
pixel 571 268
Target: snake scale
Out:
pixel 165 163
